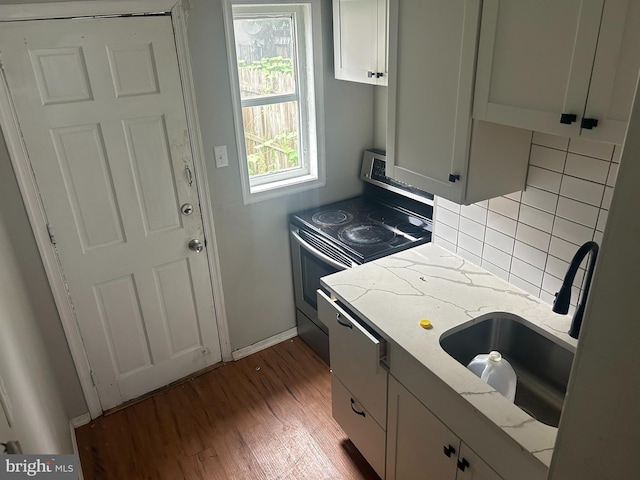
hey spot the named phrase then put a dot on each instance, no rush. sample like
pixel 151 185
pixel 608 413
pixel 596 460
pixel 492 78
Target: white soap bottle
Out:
pixel 496 371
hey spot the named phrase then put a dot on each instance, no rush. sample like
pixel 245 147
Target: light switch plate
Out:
pixel 6 403
pixel 220 153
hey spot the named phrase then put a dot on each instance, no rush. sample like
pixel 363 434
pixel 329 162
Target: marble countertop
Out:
pixel 392 294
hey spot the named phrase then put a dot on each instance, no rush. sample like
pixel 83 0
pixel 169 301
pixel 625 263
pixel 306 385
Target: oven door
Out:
pixel 313 258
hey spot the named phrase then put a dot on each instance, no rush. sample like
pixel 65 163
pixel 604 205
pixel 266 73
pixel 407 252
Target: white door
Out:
pixel 100 106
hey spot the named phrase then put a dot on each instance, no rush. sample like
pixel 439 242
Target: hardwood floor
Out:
pixel 266 416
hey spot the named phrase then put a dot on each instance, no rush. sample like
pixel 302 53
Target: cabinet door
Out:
pixel 358 424
pixel 359 33
pixel 615 71
pixel 432 59
pixel 417 441
pixel 472 467
pixel 355 356
pixel 534 62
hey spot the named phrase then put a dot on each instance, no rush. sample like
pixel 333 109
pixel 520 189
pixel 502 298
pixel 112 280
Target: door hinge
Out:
pixel 52 237
pixel 93 377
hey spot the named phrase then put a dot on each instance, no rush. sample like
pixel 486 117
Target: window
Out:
pixel 276 76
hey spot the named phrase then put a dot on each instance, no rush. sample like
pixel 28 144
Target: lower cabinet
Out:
pixel 359 425
pixel 419 446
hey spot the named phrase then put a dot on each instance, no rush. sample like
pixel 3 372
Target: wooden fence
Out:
pixel 271 131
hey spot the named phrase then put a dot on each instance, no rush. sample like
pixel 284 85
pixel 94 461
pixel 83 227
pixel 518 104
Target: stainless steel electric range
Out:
pixel 389 217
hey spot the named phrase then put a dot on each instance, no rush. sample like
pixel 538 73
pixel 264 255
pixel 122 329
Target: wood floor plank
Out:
pixel 267 416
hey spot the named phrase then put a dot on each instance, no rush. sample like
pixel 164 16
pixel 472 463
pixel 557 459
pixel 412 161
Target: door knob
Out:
pixel 196 245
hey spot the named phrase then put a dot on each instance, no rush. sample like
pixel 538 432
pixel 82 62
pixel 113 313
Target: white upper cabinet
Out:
pixel 432 143
pixel 565 67
pixel 360 40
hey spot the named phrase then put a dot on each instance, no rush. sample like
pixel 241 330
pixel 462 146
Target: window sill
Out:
pixel 282 188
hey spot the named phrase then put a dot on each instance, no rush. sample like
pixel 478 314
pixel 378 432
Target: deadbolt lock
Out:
pixel 186 209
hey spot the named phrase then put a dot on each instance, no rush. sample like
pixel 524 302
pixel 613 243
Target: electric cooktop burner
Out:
pixel 332 218
pixel 366 234
pixel 410 228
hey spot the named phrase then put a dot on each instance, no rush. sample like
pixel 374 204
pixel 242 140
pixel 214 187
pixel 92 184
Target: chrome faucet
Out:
pixel 561 303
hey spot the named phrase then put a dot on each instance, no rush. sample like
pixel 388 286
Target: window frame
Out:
pixel 308 93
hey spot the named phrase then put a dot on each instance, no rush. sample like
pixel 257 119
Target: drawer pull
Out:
pixel 354 410
pixel 462 464
pixel 348 325
pixel 448 450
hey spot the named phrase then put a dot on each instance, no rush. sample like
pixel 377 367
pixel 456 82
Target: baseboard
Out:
pixel 262 344
pixel 74 442
pixel 80 420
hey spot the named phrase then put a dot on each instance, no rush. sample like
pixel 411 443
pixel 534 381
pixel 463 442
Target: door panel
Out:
pixel 100 107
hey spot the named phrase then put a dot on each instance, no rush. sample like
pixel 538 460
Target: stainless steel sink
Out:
pixel 541 365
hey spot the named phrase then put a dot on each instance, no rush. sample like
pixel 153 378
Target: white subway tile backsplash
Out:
pixel 497 257
pixel 474 229
pixel 544 179
pixel 476 260
pixel 444 203
pixel 447 217
pixel 524 285
pixel 470 244
pixel 504 206
pixel 540 199
pixel 602 220
pixel 528 238
pixel 536 218
pixel 582 190
pixel 516 196
pixel 546 297
pixel 551 284
pixel 526 272
pixel 497 271
pixel 577 211
pixel 558 268
pixel 444 243
pixel 548 158
pixel 533 236
pixel 617 153
pixel 499 240
pixel 446 233
pixel 571 231
pixel 474 212
pixel 552 141
pixel 591 149
pixel 587 168
pixel 562 249
pixel 597 237
pixel 502 224
pixel 530 254
pixel 613 174
pixel 606 198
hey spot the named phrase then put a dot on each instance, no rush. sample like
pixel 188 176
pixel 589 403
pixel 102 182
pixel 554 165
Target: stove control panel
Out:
pixel 374 170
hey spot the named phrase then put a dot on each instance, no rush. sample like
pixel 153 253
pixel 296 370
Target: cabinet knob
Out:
pixel 454 178
pixel 462 464
pixel 448 450
pixel 568 118
pixel 589 123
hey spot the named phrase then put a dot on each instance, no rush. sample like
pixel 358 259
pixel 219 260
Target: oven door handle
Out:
pixel 317 253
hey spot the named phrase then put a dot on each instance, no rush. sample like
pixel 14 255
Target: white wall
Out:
pixel 528 238
pixel 253 239
pixel 31 272
pixel 599 436
pixel 36 392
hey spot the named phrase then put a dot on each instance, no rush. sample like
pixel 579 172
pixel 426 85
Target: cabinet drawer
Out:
pixel 359 425
pixel 355 355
